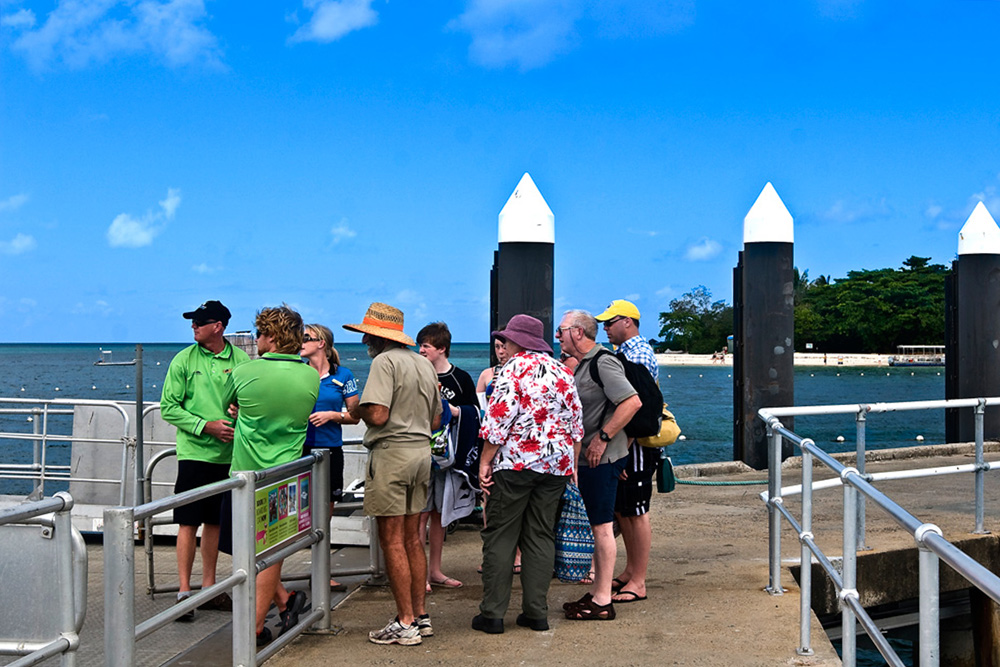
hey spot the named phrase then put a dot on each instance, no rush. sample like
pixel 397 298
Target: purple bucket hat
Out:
pixel 526 331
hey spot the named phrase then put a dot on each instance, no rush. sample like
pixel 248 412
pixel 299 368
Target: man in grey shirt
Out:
pixel 606 411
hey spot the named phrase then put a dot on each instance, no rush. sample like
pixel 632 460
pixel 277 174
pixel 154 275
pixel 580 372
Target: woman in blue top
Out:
pixel 338 393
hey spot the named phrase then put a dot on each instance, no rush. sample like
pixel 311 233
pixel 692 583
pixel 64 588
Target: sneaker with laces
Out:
pixel 396 633
pixel 186 617
pixel 221 602
pixel 424 626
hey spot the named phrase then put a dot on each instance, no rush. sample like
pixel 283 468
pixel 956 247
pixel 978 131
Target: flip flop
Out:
pixel 617 584
pixel 447 582
pixel 635 597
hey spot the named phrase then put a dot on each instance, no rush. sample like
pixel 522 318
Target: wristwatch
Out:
pixel 603 436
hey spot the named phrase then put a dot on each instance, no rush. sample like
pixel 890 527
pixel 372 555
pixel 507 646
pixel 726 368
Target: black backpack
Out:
pixel 645 422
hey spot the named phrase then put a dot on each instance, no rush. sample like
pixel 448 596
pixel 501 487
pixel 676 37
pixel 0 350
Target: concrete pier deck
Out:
pixel 706 601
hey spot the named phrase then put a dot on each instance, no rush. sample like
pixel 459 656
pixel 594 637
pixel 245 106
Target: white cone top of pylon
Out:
pixel 768 221
pixel 980 234
pixel 526 218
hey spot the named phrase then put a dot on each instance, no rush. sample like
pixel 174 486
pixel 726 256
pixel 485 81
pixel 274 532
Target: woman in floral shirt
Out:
pixel 532 433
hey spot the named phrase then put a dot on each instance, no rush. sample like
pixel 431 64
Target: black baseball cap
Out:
pixel 210 310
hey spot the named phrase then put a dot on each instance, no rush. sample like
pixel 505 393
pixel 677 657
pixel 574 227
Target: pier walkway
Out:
pixel 706 601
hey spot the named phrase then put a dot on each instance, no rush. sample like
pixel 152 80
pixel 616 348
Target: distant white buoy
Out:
pixel 862 375
pixel 154 386
pixel 730 375
pixel 840 438
pixel 911 372
pixel 920 438
pixel 887 375
pixel 838 374
pixel 157 363
pixel 939 374
pixel 701 376
pixel 812 375
pixel 57 389
pixel 31 419
pixel 682 437
pixel 93 386
pixel 128 386
pixel 22 388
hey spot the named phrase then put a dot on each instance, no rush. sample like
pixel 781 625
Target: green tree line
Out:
pixel 868 311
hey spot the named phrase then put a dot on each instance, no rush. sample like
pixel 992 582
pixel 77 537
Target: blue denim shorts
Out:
pixel 599 486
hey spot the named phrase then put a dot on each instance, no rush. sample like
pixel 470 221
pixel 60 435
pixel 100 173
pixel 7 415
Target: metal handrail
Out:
pixel 71 564
pixel 121 631
pixel 857 487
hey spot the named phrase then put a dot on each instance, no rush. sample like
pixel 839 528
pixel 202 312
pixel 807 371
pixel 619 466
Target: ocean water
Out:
pixel 699 396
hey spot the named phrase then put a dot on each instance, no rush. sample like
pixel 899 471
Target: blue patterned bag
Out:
pixel 574 538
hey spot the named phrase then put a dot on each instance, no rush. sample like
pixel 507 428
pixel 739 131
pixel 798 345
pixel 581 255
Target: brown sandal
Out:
pixel 590 611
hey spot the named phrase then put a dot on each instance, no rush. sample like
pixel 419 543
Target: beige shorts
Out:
pixel 396 480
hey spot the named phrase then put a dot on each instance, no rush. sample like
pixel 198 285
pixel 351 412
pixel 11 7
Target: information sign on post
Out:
pixel 282 511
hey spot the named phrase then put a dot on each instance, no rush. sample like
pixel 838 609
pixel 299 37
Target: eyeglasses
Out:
pixel 560 330
pixel 203 323
pixel 309 339
pixel 607 325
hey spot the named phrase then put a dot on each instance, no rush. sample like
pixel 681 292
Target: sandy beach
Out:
pixel 801 359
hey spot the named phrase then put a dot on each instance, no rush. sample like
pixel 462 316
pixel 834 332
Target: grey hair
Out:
pixel 584 320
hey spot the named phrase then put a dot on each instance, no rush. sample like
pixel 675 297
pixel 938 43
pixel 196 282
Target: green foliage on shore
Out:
pixel 872 310
pixel 869 311
pixel 695 323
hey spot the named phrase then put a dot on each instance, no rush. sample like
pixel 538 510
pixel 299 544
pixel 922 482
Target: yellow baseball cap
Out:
pixel 619 308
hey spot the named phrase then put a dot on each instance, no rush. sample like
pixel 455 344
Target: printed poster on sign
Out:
pixel 282 511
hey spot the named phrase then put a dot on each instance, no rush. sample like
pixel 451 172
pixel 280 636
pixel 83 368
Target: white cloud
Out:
pixel 22 18
pixel 13 202
pixel 643 232
pixel 203 268
pixel 99 307
pixel 933 211
pixel 531 33
pixel 332 19
pixel 842 212
pixel 342 231
pixel 170 204
pixel 633 297
pixel 669 290
pixel 18 245
pixel 703 250
pixel 127 231
pixel 78 33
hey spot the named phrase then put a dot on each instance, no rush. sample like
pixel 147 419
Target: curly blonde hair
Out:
pixel 283 325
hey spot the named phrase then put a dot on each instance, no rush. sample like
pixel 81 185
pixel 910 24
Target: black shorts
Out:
pixel 191 475
pixel 636 491
pixel 336 461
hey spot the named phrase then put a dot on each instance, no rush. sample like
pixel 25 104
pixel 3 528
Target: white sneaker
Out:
pixel 396 633
pixel 424 626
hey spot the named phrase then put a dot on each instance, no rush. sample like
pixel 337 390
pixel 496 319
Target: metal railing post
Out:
pixel 980 471
pixel 849 638
pixel 773 515
pixel 119 587
pixel 38 492
pixel 245 561
pixel 63 525
pixel 861 421
pixel 805 559
pixel 321 550
pixel 140 466
pixel 930 603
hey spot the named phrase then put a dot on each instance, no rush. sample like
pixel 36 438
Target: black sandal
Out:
pixel 587 597
pixel 590 611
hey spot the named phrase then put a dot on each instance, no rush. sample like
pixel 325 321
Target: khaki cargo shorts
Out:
pixel 396 480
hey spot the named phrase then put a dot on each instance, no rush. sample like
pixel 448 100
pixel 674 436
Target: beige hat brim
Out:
pixel 381 332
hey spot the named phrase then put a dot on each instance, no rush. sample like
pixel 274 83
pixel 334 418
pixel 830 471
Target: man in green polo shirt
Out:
pixel 275 396
pixel 192 401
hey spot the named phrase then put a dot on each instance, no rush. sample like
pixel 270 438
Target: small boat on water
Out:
pixel 105 360
pixel 918 355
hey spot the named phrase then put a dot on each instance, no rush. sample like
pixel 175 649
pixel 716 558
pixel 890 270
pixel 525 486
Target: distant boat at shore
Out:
pixel 918 355
pixel 105 359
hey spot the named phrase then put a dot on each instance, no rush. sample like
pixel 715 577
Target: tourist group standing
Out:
pixel 546 423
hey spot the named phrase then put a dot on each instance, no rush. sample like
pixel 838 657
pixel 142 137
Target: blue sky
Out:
pixel 154 154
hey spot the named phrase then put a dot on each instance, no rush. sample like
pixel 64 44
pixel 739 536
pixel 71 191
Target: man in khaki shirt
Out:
pixel 401 406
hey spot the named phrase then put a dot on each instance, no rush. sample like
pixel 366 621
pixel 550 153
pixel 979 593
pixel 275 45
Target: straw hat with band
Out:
pixel 384 321
pixel 525 331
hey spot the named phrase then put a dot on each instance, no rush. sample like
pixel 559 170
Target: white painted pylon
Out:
pixel 526 218
pixel 768 221
pixel 980 234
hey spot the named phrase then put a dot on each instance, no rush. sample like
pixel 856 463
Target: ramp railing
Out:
pixel 266 529
pixel 857 486
pixel 45 558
